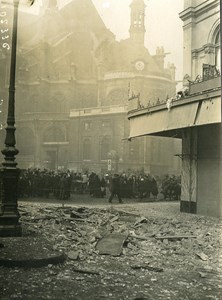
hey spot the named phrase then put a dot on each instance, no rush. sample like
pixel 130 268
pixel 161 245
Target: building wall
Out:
pixel 68 61
pixel 201 145
pixel 143 154
pixel 209 170
pixel 201 24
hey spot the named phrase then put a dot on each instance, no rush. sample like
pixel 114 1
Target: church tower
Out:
pixel 137 27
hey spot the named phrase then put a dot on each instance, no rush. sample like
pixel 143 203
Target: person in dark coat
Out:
pixel 91 184
pixel 115 188
pixel 96 186
pixel 68 185
pixel 62 187
pixel 103 186
pixel 142 187
pixel 154 188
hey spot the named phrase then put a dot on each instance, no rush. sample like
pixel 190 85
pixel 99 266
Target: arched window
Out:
pixel 86 149
pixel 105 147
pixel 217 51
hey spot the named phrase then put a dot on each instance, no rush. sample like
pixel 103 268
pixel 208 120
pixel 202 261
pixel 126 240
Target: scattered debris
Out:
pixel 175 237
pixel 202 275
pixel 73 255
pixel 202 256
pixel 92 231
pixel 114 219
pixel 140 220
pixel 143 253
pixel 111 244
pixel 149 268
pixel 86 271
pixel 139 237
pixel 75 214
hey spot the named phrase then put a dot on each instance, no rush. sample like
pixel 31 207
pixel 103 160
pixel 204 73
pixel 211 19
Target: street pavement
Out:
pixel 152 205
pixel 166 255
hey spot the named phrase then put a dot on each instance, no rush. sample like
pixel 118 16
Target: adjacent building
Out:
pixel 194 116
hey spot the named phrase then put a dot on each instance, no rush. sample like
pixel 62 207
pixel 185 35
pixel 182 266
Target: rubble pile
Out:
pixel 125 253
pixel 160 242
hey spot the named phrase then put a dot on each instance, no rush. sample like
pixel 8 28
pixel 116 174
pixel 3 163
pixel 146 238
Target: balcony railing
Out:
pixel 209 81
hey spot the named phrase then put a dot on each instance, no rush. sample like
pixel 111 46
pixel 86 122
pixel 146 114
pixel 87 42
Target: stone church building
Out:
pixel 73 83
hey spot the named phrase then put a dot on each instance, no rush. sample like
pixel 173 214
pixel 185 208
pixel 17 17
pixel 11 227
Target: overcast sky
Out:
pixel 163 25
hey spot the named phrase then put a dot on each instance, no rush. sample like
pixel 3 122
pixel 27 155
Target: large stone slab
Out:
pixel 111 244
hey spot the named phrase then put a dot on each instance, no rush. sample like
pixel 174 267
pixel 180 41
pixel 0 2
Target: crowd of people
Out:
pixel 62 184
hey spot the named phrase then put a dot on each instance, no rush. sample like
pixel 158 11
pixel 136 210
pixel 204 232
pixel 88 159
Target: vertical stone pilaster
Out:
pixel 209 51
pixel 189 170
pixel 194 64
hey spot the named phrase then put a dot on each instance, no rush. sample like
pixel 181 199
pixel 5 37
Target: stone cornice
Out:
pixel 207 49
pixel 194 12
pixel 132 75
pixel 98 111
pixel 54 82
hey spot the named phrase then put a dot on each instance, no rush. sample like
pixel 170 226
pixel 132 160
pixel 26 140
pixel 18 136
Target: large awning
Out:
pixel 159 122
pixel 209 112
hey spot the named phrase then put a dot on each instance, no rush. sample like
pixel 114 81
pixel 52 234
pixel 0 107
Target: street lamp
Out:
pixel 9 173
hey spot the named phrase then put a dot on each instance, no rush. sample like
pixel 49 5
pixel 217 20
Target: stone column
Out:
pixel 189 170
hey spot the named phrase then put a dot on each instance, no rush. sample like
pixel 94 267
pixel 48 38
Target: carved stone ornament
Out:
pixel 208 49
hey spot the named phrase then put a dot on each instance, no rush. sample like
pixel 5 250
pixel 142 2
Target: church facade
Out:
pixel 74 82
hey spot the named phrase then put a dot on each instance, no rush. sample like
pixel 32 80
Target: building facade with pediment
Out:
pixel 74 82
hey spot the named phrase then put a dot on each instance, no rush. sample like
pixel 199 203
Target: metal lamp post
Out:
pixel 9 173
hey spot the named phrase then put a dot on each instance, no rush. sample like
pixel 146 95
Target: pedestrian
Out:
pixel 85 180
pixel 142 187
pixel 115 188
pixel 91 183
pixel 68 185
pixel 123 185
pixel 62 187
pixel 96 186
pixel 154 188
pixel 103 186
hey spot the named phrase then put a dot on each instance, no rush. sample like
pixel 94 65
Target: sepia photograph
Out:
pixel 110 150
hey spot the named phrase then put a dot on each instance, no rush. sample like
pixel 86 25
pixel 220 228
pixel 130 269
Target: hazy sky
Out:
pixel 163 25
